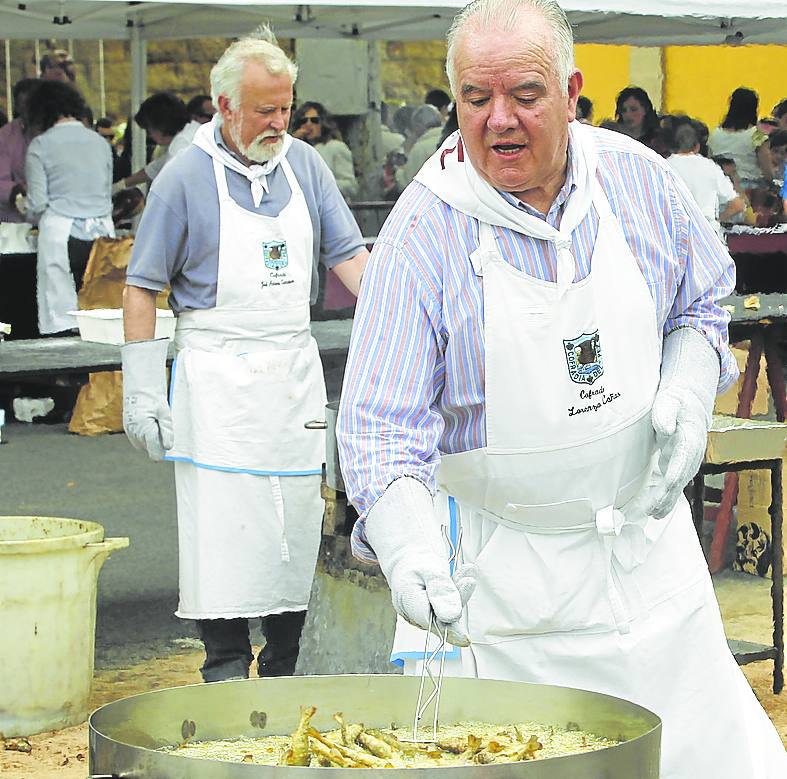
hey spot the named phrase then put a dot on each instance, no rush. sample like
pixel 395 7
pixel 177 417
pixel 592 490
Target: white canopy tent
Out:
pixel 638 22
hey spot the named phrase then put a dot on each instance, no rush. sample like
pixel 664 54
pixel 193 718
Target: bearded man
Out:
pixel 235 226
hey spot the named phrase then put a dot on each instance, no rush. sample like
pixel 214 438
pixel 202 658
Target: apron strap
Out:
pixel 278 503
pixel 220 172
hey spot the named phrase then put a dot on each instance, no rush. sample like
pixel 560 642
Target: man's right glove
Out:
pixel 403 531
pixel 146 416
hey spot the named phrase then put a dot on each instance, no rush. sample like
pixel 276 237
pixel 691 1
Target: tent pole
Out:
pixel 374 155
pixel 138 89
pixel 102 86
pixel 8 80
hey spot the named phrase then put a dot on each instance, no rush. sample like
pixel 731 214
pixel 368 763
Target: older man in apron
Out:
pixel 556 365
pixel 247 375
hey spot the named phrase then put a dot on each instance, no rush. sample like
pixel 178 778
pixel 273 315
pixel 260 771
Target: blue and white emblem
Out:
pixel 583 355
pixel 275 254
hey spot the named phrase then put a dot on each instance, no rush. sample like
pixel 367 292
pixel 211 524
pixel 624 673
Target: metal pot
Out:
pixel 125 734
pixel 333 473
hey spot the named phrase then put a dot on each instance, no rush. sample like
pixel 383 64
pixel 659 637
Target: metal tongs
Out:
pixel 430 657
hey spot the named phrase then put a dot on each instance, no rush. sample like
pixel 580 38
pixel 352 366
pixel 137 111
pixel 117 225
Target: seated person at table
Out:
pixel 69 177
pixel 778 144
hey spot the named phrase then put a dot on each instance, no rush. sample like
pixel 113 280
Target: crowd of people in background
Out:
pixel 56 160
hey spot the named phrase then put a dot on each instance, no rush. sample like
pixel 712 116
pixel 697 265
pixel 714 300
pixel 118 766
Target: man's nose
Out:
pixel 501 115
pixel 279 122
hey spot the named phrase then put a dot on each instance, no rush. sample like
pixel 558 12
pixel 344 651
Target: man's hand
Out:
pixel 146 415
pixel 681 415
pixel 403 531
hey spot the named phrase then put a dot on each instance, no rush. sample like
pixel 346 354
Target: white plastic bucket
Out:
pixel 48 572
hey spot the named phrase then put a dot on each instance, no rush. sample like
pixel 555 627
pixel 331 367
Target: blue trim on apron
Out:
pixel 252 471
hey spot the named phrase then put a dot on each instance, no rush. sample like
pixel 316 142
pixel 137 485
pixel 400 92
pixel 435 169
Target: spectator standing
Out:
pixel 440 99
pixel 636 116
pixel 584 110
pixel 712 190
pixel 738 137
pixel 57 65
pixel 201 109
pixel 165 119
pixel 69 177
pixel 313 124
pixel 14 140
pixel 780 114
pixel 426 126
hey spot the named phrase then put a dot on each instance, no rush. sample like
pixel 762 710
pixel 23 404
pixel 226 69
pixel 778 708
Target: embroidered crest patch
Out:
pixel 275 254
pixel 583 355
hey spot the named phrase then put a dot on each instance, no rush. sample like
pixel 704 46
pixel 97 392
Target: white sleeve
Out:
pixel 153 168
pixel 724 189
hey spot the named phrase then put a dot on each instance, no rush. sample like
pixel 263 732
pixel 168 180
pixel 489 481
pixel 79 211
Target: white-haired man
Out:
pixel 235 226
pixel 552 291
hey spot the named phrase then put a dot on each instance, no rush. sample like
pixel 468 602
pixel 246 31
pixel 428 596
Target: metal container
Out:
pixel 333 472
pixel 125 735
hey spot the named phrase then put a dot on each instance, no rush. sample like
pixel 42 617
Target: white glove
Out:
pixel 146 415
pixel 402 529
pixel 682 415
pixel 20 203
pixel 119 186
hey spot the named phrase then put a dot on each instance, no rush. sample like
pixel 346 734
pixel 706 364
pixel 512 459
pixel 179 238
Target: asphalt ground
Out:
pixel 47 471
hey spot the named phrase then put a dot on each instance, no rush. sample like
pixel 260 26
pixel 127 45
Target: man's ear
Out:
pixel 225 107
pixel 575 83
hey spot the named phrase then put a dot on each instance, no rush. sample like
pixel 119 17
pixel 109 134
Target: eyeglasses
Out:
pixel 312 119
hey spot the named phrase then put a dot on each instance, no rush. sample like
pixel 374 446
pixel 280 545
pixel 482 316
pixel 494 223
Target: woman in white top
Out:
pixel 69 177
pixel 313 124
pixel 739 138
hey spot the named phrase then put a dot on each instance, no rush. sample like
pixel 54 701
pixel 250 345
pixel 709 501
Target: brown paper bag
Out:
pixel 99 407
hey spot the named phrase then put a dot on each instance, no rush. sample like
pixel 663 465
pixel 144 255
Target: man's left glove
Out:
pixel 146 416
pixel 682 414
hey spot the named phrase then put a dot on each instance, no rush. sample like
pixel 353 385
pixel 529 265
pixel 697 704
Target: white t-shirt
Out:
pixel 741 146
pixel 707 183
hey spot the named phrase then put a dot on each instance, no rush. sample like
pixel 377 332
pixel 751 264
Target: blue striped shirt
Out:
pixel 414 382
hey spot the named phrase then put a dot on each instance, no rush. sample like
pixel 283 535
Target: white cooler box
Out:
pixel 105 325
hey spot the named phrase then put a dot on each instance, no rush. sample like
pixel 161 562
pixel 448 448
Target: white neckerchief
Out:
pixel 451 176
pixel 257 174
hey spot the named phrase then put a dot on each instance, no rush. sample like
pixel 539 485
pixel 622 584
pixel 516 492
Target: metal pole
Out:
pixel 374 155
pixel 8 80
pixel 102 88
pixel 138 90
pixel 37 49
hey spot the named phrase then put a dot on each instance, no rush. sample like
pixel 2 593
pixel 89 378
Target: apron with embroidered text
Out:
pixel 576 586
pixel 246 378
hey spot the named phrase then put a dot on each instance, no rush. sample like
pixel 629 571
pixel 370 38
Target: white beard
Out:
pixel 258 150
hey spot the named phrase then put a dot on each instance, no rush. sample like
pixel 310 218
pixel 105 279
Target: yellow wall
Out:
pixel 699 79
pixel 606 72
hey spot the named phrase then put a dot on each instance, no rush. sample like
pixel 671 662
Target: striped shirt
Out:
pixel 414 382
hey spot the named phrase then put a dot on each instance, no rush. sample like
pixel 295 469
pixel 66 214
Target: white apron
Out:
pixel 56 292
pixel 246 378
pixel 573 587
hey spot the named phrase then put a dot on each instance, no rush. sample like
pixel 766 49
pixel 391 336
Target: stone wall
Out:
pixel 409 69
